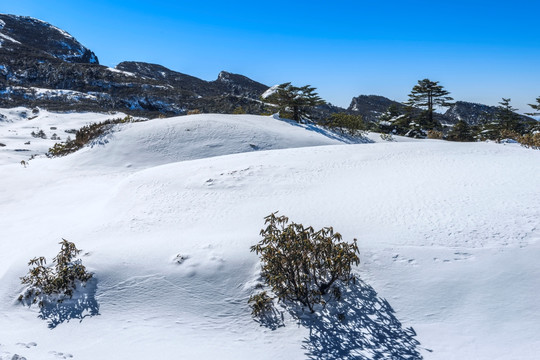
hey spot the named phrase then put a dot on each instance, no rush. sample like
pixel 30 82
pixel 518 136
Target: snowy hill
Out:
pixel 448 234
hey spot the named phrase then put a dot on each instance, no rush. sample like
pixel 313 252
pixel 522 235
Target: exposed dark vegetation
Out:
pixel 302 265
pixel 498 124
pixel 294 102
pixel 84 135
pixel 59 281
pixel 346 123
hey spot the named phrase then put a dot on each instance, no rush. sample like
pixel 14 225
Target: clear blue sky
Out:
pixel 480 51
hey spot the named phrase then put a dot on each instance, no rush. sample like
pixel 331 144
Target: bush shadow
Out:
pixel 272 319
pixel 83 304
pixel 359 326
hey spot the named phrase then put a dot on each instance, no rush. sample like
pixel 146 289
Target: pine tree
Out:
pixel 506 117
pixel 460 132
pixel 427 94
pixel 294 102
pixel 535 107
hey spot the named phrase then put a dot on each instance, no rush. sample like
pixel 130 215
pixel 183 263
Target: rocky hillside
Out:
pixel 372 106
pixel 41 65
pixel 474 113
pixel 38 39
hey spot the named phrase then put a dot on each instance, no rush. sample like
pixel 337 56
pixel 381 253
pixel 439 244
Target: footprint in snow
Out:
pixel 27 345
pixel 61 355
pixel 179 259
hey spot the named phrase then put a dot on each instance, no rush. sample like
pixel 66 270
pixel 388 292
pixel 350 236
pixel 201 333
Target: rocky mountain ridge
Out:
pixel 41 65
pixel 44 66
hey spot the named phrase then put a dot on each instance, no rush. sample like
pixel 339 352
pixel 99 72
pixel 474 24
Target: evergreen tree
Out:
pixel 506 117
pixel 535 107
pixel 385 122
pixel 426 95
pixel 460 132
pixel 294 102
pixel 346 123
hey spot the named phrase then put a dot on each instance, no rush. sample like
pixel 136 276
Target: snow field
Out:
pixel 448 235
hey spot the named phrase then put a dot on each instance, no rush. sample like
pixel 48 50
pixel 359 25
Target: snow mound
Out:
pixel 162 141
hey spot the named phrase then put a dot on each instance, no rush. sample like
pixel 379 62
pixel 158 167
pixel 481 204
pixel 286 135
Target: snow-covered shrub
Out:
pixel 58 282
pixel 302 265
pixel 387 137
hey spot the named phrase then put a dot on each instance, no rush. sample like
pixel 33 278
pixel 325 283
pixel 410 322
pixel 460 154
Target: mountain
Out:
pixel 41 65
pixel 372 106
pixel 40 40
pixel 44 66
pixel 473 113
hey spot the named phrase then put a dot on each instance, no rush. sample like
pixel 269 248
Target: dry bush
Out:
pixel 530 141
pixel 59 281
pixel 302 265
pixel 434 134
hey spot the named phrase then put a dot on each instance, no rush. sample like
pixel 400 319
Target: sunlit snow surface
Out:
pixel 448 234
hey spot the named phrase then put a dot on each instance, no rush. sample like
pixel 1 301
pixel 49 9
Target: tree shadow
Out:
pixel 359 326
pixel 328 133
pixel 83 304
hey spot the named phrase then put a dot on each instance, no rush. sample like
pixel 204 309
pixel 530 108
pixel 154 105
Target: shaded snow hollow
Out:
pixel 448 234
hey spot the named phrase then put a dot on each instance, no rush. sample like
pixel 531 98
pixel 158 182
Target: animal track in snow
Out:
pixel 179 259
pixel 27 345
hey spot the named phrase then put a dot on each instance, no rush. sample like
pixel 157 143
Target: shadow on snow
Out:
pixel 360 326
pixel 83 304
pixel 347 139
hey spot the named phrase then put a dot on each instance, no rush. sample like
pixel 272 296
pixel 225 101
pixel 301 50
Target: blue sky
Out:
pixel 480 51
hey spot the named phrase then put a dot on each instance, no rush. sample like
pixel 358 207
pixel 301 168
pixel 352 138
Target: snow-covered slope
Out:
pixel 448 235
pixel 162 141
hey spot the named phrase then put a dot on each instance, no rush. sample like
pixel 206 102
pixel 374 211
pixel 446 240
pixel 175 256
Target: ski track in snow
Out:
pixel 166 211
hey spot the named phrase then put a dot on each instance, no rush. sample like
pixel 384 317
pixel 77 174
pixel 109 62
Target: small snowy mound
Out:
pixel 162 141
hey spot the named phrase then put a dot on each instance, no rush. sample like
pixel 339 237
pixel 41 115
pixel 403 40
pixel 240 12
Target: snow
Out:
pixel 448 233
pixel 43 93
pixel 17 124
pixel 127 73
pixel 62 32
pixel 3 36
pixel 270 91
